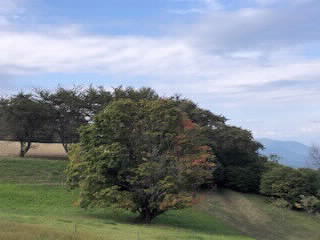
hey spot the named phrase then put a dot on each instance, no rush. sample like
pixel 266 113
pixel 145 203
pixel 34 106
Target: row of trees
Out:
pixel 139 151
pixel 55 117
pixel 293 188
pixel 46 116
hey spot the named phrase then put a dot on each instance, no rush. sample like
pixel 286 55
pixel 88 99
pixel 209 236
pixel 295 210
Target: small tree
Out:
pixel 315 155
pixel 144 156
pixel 66 113
pixel 274 158
pixel 72 108
pixel 23 119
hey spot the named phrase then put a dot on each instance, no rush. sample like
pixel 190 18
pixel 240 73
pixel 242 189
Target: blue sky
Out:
pixel 255 61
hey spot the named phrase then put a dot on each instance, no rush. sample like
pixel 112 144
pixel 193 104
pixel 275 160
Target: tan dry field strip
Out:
pixel 49 150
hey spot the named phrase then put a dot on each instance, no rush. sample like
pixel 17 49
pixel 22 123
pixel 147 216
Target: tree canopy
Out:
pixel 23 118
pixel 145 156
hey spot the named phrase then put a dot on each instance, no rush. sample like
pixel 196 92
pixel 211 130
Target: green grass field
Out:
pixel 35 205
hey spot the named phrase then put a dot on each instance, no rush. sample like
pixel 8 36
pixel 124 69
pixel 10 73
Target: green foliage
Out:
pixel 310 203
pixel 235 146
pixel 244 179
pixel 281 203
pixel 237 152
pixel 289 184
pixel 274 158
pixel 94 100
pixel 23 119
pixel 66 115
pixel 202 117
pixel 141 156
pixel 72 108
pixel 239 166
pixel 134 94
pixel 49 117
pixel 313 179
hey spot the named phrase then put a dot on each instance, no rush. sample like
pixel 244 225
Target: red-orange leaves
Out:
pixel 196 160
pixel 188 124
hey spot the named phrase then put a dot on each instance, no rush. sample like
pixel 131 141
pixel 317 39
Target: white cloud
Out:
pixel 173 59
pixel 197 7
pixel 226 53
pixel 258 28
pixel 239 58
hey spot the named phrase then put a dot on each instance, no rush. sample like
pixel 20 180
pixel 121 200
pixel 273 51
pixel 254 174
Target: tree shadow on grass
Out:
pixel 188 219
pixel 111 216
pixel 196 221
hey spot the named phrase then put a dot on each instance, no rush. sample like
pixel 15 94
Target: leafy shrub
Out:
pixel 313 179
pixel 281 203
pixel 243 179
pixel 290 185
pixel 310 203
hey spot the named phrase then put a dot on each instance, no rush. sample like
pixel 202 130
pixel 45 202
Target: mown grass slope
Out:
pixel 31 171
pixel 256 216
pixel 36 205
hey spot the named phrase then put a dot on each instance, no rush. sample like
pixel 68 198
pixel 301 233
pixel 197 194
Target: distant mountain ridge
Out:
pixel 293 154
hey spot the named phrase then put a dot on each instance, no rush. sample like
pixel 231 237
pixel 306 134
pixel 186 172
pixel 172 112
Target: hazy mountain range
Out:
pixel 291 153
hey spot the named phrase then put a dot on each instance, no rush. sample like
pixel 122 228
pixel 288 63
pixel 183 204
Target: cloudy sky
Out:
pixel 255 61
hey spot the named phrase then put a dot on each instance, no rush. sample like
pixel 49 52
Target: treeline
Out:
pixel 292 188
pixel 45 116
pixel 55 116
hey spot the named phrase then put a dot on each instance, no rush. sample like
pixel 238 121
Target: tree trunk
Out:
pixel 66 147
pixel 24 148
pixel 146 216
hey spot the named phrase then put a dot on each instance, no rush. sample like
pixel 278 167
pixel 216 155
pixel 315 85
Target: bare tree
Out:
pixel 315 155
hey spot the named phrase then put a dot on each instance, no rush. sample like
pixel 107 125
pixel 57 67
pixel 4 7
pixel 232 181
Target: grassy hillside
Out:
pixel 36 205
pixel 257 217
pixel 31 171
